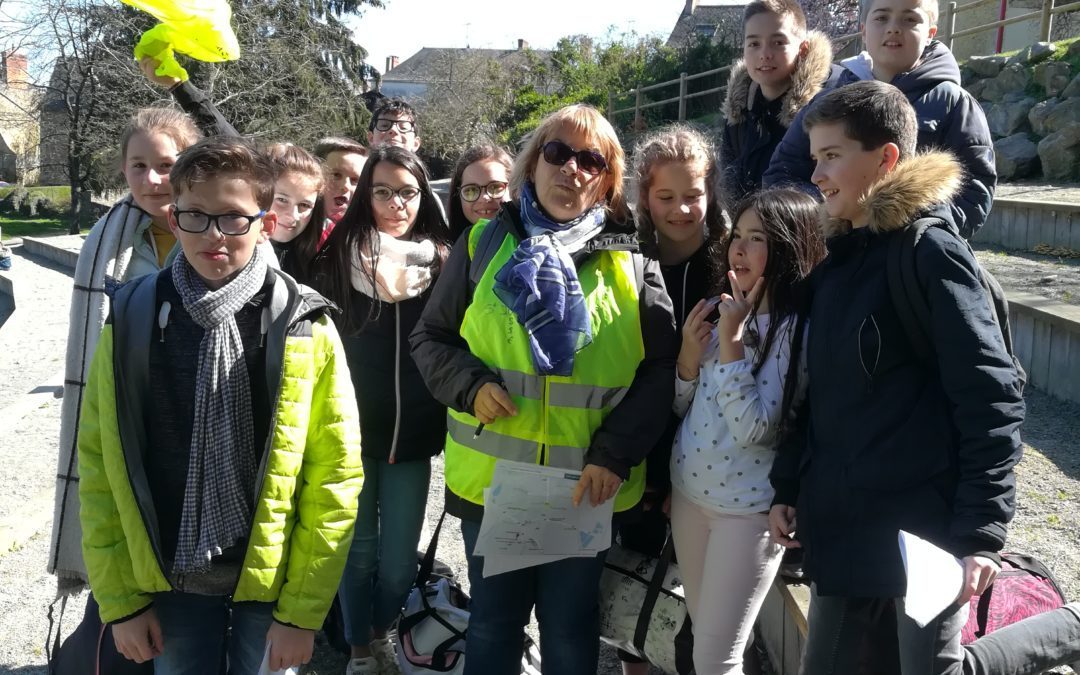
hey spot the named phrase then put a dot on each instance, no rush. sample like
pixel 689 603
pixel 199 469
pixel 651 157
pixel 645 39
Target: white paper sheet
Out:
pixel 529 519
pixel 934 578
pixel 264 669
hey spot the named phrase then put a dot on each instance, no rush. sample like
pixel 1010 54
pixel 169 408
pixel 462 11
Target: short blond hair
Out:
pixel 928 6
pixel 590 123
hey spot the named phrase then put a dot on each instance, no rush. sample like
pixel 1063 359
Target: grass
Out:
pixel 60 194
pixel 14 226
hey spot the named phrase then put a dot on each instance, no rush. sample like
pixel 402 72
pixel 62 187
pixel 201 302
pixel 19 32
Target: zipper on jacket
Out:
pixel 397 381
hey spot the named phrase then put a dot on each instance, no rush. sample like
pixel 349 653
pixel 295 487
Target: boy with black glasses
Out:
pixel 394 123
pixel 219 448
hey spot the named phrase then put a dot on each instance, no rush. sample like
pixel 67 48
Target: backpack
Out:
pixel 1022 589
pixel 909 298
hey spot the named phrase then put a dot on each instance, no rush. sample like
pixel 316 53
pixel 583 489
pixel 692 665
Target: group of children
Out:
pixel 245 443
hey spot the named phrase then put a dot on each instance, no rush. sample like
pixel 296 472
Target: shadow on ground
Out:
pixel 1052 426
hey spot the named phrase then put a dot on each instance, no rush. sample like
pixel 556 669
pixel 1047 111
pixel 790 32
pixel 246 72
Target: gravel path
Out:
pixel 1048 276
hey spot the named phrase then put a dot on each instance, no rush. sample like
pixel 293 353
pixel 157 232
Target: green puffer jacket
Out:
pixel 309 475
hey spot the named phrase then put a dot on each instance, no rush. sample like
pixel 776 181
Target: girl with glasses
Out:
pixel 479 186
pixel 378 266
pixel 548 335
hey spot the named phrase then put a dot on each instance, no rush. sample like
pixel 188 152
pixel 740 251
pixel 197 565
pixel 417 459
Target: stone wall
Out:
pixel 1032 105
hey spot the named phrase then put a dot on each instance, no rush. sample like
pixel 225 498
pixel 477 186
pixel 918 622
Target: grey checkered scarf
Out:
pixel 216 512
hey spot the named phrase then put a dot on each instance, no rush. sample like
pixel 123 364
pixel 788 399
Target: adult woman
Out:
pixel 378 266
pixel 560 260
pixel 479 186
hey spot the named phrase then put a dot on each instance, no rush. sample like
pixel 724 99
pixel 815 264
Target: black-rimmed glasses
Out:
pixel 232 224
pixel 558 153
pixel 404 126
pixel 471 192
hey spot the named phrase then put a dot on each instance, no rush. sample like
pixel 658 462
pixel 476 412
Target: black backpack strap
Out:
pixel 652 593
pixel 907 295
pixel 423 575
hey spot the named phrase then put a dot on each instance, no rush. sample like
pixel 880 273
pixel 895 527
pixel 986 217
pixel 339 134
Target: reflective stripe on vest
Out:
pixel 563 394
pixel 557 416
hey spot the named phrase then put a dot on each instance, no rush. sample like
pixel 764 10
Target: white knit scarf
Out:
pixel 403 269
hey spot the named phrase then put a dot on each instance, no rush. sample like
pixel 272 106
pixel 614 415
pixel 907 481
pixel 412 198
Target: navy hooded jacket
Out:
pixel 949 119
pixel 886 442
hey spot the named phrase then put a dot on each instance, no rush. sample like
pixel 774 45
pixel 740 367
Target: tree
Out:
pixel 469 94
pixel 298 78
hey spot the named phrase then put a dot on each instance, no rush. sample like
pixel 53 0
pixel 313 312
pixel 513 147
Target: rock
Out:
pixel 1053 76
pixel 986 66
pixel 1006 118
pixel 976 88
pixel 1039 113
pixel 1059 154
pixel 1013 78
pixel 1016 157
pixel 1073 90
pixel 1040 51
pixel 1074 49
pixel 1064 114
pixel 1048 279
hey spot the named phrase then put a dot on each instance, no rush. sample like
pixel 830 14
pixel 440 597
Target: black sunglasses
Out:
pixel 558 153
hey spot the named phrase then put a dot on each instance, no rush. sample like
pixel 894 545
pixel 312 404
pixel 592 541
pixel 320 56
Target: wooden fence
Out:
pixel 947 33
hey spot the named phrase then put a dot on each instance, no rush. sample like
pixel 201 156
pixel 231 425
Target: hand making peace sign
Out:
pixel 736 307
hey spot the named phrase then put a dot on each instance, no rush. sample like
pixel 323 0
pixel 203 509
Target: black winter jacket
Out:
pixel 399 418
pixel 454 375
pixel 886 443
pixel 949 119
pixel 755 126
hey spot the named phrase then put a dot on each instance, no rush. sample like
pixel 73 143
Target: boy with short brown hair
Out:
pixel 219 448
pixel 783 66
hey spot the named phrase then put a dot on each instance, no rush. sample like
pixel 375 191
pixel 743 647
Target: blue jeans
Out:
pixel 566 595
pixel 837 627
pixel 381 567
pixel 193 631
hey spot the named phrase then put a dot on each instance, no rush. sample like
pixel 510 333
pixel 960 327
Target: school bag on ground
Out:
pixel 432 626
pixel 1023 588
pixel 909 298
pixel 643 610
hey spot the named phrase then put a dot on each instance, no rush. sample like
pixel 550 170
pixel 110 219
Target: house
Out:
pixel 19 127
pixel 411 78
pixel 719 21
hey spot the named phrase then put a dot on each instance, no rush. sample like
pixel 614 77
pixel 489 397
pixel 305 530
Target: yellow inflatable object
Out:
pixel 202 29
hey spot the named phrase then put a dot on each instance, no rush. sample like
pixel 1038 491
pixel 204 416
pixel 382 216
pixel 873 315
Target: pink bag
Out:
pixel 1024 588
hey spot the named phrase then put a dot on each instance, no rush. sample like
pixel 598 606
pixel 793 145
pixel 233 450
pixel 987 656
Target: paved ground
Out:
pixel 31 348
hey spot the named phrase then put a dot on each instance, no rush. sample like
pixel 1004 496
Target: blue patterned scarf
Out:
pixel 539 284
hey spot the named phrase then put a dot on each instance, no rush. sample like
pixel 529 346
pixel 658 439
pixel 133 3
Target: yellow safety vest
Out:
pixel 557 416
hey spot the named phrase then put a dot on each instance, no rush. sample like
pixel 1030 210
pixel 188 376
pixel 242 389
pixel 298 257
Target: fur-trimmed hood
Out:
pixel 912 187
pixel 811 71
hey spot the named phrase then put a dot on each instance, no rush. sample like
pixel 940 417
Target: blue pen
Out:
pixel 479 428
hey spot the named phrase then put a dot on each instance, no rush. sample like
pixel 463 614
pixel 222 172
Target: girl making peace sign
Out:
pixel 738 378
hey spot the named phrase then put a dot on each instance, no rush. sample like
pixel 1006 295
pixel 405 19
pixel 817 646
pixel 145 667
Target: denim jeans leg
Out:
pixel 499 611
pixel 193 633
pixel 358 579
pixel 1027 647
pixel 247 639
pixel 568 611
pixel 836 628
pixel 403 491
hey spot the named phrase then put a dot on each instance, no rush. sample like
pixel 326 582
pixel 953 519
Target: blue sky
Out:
pixel 406 26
